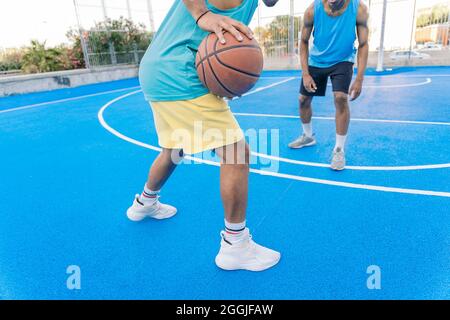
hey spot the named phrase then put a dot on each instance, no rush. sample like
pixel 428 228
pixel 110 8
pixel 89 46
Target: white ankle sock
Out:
pixel 148 196
pixel 340 142
pixel 234 232
pixel 307 129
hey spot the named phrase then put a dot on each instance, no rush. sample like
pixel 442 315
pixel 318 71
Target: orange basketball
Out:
pixel 229 70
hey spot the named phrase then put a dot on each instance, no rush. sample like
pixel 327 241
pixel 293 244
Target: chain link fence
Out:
pixel 416 31
pixel 114 32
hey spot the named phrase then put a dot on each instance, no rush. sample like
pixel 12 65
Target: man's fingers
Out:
pixel 219 32
pixel 354 94
pixel 243 28
pixel 233 31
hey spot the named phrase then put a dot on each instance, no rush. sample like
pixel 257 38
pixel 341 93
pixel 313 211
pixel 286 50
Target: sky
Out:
pixel 49 20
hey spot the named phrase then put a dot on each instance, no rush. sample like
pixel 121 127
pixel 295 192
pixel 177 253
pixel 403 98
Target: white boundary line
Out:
pixel 263 172
pixel 266 115
pixel 269 86
pixel 406 85
pixel 65 100
pixel 368 168
pixel 285 79
pixel 365 86
pixel 361 168
pixel 286 160
pixel 389 76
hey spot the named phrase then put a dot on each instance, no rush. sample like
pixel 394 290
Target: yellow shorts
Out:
pixel 197 125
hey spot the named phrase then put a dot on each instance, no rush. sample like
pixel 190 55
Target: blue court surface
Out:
pixel 72 160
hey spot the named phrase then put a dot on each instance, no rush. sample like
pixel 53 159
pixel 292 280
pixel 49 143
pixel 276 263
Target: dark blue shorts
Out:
pixel 340 74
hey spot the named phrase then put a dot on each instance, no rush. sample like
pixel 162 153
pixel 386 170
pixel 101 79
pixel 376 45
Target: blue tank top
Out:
pixel 167 71
pixel 334 37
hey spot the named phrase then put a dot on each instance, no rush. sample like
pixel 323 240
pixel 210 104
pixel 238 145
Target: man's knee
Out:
pixel 341 100
pixel 305 101
pixel 173 155
pixel 237 153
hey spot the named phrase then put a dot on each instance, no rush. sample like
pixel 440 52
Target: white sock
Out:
pixel 234 232
pixel 340 142
pixel 148 196
pixel 307 129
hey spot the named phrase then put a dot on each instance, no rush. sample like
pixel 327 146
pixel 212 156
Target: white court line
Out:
pixel 368 168
pixel 362 168
pixel 264 172
pixel 120 90
pixel 406 85
pixel 389 76
pixel 66 100
pixel 286 79
pixel 268 87
pixel 266 115
pixel 312 164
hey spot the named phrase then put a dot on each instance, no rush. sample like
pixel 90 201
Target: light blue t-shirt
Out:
pixel 167 71
pixel 334 37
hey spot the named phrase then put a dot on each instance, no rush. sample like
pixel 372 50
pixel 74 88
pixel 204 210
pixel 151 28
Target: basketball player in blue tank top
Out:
pixel 335 25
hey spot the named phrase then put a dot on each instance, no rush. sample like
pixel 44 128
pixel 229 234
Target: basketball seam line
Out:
pixel 203 69
pixel 233 68
pixel 226 49
pixel 212 70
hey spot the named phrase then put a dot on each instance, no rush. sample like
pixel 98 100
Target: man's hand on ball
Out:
pixel 219 24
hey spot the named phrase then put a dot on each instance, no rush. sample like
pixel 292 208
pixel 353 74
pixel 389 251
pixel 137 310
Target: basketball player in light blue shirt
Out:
pixel 178 100
pixel 336 24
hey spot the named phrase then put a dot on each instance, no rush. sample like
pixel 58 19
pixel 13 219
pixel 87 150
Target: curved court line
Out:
pixel 264 172
pixel 365 168
pixel 362 168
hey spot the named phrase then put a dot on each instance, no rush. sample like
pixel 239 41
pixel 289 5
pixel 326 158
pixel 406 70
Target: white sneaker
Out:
pixel 245 255
pixel 338 160
pixel 139 211
pixel 302 141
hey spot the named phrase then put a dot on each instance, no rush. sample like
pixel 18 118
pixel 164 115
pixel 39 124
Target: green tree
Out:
pixel 122 35
pixel 439 14
pixel 11 59
pixel 38 58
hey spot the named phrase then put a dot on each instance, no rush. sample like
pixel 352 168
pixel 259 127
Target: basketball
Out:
pixel 229 70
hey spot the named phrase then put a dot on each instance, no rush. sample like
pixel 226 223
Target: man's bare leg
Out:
pixel 163 167
pixel 342 113
pixel 305 109
pixel 147 204
pixel 238 250
pixel 342 123
pixel 234 171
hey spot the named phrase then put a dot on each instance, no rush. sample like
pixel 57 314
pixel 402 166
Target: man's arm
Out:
pixel 308 25
pixel 363 50
pixel 216 23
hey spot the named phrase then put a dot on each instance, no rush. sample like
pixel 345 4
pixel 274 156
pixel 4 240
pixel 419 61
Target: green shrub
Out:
pixel 11 59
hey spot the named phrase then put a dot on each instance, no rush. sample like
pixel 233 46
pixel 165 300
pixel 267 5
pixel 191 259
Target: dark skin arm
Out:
pixel 308 25
pixel 363 50
pixel 216 23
